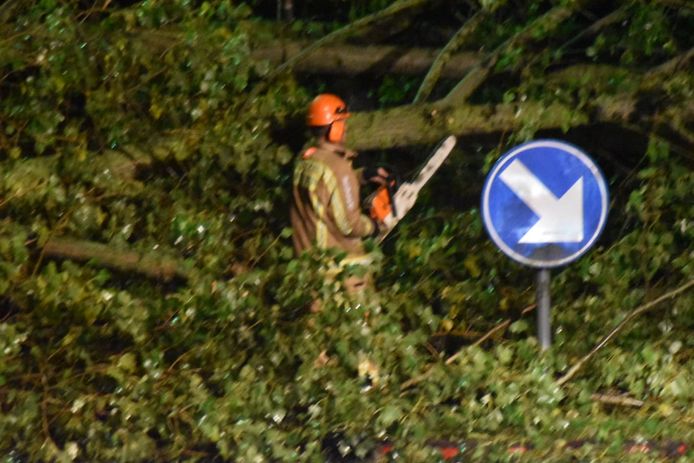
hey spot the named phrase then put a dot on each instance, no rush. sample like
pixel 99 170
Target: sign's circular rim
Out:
pixel 503 160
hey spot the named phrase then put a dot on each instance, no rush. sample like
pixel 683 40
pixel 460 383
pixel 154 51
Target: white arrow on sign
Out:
pixel 561 219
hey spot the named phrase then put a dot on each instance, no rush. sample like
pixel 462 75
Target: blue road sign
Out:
pixel 544 203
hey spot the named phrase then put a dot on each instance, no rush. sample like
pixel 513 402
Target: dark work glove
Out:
pixel 377 228
pixel 376 174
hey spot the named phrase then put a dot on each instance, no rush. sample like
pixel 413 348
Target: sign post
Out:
pixel 544 330
pixel 544 204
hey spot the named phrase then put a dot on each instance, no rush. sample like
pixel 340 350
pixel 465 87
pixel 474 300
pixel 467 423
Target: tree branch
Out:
pixel 333 37
pixel 598 25
pixel 685 4
pixel 545 23
pixel 617 400
pixel 437 68
pixel 501 326
pixel 336 36
pixel 10 7
pixel 678 63
pixel 635 313
pixel 149 265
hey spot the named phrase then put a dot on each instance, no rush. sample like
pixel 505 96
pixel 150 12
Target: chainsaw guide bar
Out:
pixel 406 195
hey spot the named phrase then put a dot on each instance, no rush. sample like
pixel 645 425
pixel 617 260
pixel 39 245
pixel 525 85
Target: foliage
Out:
pixel 232 365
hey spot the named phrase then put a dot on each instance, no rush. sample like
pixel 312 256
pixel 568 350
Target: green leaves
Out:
pixel 125 86
pixel 261 355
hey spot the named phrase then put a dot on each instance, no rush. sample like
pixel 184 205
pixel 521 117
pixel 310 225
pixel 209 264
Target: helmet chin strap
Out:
pixel 329 137
pixel 336 132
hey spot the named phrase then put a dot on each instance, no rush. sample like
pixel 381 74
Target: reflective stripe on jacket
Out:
pixel 326 206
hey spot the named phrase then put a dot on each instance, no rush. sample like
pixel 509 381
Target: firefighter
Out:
pixel 326 211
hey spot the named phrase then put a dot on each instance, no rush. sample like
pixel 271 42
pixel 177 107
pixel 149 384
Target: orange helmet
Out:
pixel 328 109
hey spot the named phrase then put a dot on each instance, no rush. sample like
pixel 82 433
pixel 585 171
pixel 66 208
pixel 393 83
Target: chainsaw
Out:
pixel 389 207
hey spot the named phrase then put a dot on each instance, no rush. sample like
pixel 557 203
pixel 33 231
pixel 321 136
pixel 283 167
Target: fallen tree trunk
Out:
pixel 428 123
pixel 351 60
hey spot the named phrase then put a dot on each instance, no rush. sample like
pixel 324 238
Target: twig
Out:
pixel 45 426
pixel 489 334
pixel 617 400
pixel 61 223
pixel 434 353
pixel 679 62
pixel 7 9
pixel 418 379
pixel 6 200
pixel 636 312
pixel 601 23
pixel 262 254
pixel 467 334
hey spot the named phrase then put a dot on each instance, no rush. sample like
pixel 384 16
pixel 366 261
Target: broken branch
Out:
pixel 443 59
pixel 151 266
pixel 635 313
pixel 545 23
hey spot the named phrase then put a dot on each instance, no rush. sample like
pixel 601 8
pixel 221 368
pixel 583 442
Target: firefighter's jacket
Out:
pixel 326 211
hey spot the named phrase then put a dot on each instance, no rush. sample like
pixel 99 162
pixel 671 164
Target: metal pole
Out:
pixel 544 331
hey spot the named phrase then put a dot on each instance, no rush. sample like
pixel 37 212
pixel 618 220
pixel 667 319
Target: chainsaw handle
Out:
pixel 391 186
